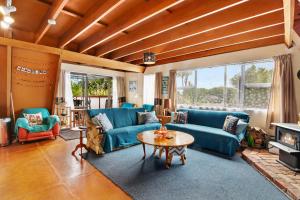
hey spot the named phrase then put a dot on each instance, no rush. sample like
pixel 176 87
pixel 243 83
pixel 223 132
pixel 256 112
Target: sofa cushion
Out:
pixel 121 118
pixel 209 137
pixel 109 113
pixel 230 124
pixel 212 118
pixel 125 136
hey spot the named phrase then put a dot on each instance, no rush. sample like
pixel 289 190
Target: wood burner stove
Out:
pixel 287 140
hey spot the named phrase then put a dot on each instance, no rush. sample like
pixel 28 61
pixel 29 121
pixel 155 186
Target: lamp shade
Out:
pixel 167 103
pixel 149 58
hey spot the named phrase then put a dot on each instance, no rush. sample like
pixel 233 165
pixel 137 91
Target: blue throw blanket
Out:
pixel 49 124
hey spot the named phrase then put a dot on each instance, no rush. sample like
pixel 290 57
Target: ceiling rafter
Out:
pixel 242 26
pixel 226 49
pixel 96 13
pixel 146 11
pixel 289 8
pixel 210 23
pixel 256 34
pixel 53 13
pixel 197 9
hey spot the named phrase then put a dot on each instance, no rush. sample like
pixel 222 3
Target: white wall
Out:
pixel 135 97
pixel 258 117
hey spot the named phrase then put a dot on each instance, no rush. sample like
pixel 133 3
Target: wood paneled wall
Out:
pixel 33 90
pixel 3 81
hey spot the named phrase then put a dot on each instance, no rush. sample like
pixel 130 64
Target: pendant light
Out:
pixel 149 58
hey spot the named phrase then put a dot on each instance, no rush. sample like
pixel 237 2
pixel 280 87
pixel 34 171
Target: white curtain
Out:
pixel 115 93
pixel 68 90
pixel 149 86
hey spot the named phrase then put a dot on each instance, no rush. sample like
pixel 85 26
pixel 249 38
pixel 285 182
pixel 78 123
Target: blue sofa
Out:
pixel 124 132
pixel 206 127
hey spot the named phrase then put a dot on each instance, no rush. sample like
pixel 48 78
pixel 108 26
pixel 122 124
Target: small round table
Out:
pixel 173 139
pixel 81 144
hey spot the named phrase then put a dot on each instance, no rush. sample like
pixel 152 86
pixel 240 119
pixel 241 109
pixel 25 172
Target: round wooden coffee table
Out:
pixel 173 139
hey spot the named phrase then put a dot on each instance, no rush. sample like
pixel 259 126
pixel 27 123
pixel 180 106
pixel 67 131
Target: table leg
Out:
pixel 144 151
pixel 167 157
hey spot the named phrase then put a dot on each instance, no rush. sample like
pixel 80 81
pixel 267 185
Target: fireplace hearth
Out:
pixel 287 140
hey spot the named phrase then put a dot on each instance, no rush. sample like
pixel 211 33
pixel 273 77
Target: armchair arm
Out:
pixel 21 123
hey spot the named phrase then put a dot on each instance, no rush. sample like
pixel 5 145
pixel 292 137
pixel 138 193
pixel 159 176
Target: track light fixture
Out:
pixel 6 10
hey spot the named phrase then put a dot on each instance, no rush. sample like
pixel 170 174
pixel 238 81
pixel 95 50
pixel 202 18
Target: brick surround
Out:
pixel 265 162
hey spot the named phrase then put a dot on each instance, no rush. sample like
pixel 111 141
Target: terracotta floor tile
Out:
pixel 47 170
pixel 95 186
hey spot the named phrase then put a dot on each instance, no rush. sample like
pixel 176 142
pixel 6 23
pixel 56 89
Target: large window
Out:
pixel 243 85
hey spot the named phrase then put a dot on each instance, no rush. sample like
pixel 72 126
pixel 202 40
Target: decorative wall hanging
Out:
pixel 31 71
pixel 165 83
pixel 132 86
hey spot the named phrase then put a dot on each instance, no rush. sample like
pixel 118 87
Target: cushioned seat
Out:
pixel 209 137
pixel 206 128
pixel 124 132
pixel 125 136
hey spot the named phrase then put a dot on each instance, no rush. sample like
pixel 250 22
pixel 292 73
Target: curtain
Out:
pixel 282 106
pixel 172 89
pixel 158 93
pixel 68 90
pixel 121 91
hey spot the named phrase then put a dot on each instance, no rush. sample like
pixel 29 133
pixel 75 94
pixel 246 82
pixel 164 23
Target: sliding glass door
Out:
pixel 90 91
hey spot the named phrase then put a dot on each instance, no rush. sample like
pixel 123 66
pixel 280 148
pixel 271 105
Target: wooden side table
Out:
pixel 81 144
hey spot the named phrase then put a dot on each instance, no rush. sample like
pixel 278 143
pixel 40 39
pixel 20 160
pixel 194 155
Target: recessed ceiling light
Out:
pixel 51 21
pixel 8 19
pixel 4 25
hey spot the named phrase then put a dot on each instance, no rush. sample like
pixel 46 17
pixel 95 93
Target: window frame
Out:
pixel 241 88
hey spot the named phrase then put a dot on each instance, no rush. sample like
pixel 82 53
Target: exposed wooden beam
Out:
pixel 196 10
pixel 73 56
pixel 53 13
pixel 227 49
pixel 211 23
pixel 147 10
pixel 225 41
pixel 96 13
pixel 289 11
pixel 240 27
pixel 72 13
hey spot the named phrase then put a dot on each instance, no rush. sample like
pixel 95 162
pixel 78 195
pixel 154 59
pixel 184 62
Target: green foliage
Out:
pixel 254 97
pixel 96 87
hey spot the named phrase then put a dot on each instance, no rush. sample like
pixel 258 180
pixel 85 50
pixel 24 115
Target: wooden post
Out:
pixel 56 85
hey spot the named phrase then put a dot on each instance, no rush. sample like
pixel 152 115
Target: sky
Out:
pixel 214 76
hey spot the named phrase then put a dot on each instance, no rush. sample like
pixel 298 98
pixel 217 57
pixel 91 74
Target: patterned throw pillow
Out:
pixel 181 117
pixel 141 117
pixel 241 127
pixel 34 119
pixel 230 124
pixel 103 121
pixel 151 118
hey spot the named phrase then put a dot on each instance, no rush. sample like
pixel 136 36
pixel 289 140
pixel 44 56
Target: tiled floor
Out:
pixel 281 176
pixel 46 170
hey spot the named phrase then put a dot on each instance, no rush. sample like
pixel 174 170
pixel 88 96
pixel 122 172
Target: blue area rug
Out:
pixel 204 176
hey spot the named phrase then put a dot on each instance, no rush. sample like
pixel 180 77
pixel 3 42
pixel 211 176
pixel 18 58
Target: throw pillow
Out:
pixel 104 122
pixel 151 117
pixel 181 117
pixel 141 117
pixel 96 121
pixel 241 127
pixel 230 124
pixel 34 119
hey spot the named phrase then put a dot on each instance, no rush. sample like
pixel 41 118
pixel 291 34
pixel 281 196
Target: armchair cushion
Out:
pixel 48 121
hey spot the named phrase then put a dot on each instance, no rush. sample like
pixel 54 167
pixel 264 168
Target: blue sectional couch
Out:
pixel 125 127
pixel 206 127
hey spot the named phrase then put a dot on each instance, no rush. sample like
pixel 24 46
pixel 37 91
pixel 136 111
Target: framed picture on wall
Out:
pixel 132 86
pixel 165 81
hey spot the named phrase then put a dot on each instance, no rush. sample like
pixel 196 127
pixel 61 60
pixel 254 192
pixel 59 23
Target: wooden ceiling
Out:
pixel 175 30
